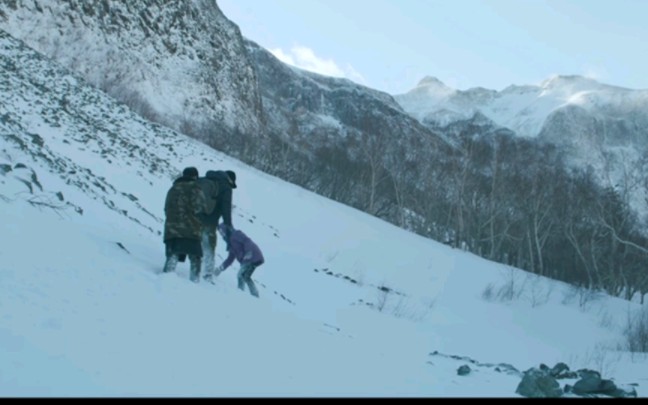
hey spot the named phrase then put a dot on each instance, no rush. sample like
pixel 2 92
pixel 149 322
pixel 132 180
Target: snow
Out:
pixel 165 75
pixel 81 316
pixel 523 109
pixel 350 305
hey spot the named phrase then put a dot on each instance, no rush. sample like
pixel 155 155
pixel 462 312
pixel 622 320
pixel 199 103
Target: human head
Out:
pixel 232 177
pixel 190 172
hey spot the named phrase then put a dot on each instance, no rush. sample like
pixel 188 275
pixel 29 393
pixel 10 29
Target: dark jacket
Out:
pixel 184 202
pixel 210 188
pixel 223 205
pixel 243 249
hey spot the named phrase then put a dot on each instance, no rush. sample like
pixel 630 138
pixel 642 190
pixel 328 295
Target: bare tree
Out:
pixel 460 182
pixel 399 194
pixel 541 218
pixel 374 149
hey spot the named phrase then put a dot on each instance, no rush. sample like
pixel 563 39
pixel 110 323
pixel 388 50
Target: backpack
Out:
pixel 211 190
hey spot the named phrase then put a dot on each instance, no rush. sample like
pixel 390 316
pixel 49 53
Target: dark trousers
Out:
pixel 178 250
pixel 245 277
pixel 208 241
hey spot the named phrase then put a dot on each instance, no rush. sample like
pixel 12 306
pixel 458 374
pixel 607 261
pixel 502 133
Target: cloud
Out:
pixel 354 75
pixel 595 72
pixel 305 58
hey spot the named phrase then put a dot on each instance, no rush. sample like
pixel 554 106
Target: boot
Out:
pixel 171 263
pixel 252 287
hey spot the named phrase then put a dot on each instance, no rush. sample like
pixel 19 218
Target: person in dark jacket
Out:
pixel 184 205
pixel 219 207
pixel 246 252
pixel 211 189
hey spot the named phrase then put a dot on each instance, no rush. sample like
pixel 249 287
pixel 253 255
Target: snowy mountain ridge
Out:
pixel 597 125
pixel 523 109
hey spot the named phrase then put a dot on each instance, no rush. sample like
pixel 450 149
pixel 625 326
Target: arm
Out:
pixel 199 200
pixel 234 249
pixel 167 203
pixel 228 262
pixel 226 206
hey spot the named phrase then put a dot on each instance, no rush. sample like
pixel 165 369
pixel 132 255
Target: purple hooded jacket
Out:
pixel 241 248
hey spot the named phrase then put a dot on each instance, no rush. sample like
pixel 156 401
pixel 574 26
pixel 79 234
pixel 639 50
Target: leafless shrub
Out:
pixel 405 309
pixel 636 331
pixel 358 274
pixel 606 320
pixel 488 294
pixel 539 290
pixel 585 296
pixel 512 288
pixel 401 306
pixel 601 358
pixel 382 298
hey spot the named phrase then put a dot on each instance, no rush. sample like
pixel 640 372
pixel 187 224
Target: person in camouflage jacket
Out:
pixel 183 207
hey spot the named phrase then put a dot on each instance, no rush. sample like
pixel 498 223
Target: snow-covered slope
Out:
pixel 350 305
pixel 180 63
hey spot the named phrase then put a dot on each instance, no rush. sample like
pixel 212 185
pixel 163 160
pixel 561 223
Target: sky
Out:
pixel 391 45
pixel 84 310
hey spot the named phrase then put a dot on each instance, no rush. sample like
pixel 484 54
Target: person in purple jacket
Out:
pixel 246 252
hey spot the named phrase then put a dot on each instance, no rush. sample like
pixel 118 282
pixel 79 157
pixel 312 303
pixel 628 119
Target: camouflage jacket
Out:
pixel 184 202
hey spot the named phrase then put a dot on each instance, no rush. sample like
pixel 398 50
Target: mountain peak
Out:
pixel 566 80
pixel 428 81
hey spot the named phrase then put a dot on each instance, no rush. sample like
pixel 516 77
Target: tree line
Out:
pixel 507 199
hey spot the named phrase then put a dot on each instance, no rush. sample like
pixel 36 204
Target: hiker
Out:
pixel 217 187
pixel 246 252
pixel 183 207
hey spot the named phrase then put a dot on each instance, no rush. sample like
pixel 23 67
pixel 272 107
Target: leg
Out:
pixel 208 242
pixel 252 287
pixel 171 263
pixel 239 277
pixel 195 268
pixel 245 276
pixel 171 258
